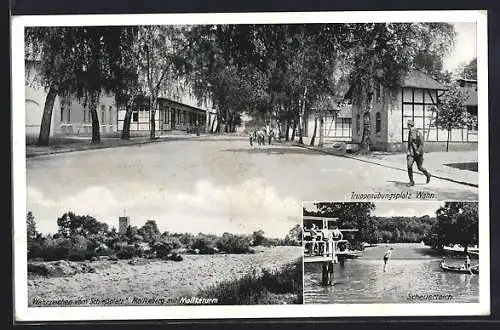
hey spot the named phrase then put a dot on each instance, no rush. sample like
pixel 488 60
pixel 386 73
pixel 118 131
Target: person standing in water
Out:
pixel 387 256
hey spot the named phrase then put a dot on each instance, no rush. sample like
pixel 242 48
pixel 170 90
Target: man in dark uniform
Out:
pixel 415 153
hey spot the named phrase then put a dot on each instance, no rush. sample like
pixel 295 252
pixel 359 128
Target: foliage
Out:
pixel 351 215
pixel 149 232
pixel 77 61
pixel 452 111
pixel 374 229
pixel 385 52
pixel 282 287
pixel 231 243
pixel 31 232
pixel 165 246
pixel 83 237
pixel 71 224
pixel 469 70
pixel 457 223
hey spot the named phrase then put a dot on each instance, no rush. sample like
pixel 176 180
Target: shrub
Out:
pixel 167 244
pixel 230 243
pixel 128 252
pixel 204 244
pixel 284 286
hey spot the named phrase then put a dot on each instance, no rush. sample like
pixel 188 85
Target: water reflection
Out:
pixel 406 281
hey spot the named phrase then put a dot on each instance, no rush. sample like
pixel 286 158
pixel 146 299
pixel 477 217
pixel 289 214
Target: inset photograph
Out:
pixel 87 262
pixel 414 252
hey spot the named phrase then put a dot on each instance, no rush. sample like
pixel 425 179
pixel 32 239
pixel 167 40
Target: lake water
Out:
pixel 414 280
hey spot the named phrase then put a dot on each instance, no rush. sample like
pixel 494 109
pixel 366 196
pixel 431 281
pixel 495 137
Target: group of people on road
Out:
pixel 260 135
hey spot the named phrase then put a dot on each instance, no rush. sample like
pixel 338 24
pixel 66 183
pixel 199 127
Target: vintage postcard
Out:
pixel 161 163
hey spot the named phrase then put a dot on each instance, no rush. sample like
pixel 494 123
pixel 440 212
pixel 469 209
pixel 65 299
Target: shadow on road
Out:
pixel 401 184
pixel 210 139
pixel 275 151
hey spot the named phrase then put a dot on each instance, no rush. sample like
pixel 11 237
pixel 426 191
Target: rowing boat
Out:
pixel 460 270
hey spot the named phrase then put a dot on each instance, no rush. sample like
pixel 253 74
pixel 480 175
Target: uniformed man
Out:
pixel 415 153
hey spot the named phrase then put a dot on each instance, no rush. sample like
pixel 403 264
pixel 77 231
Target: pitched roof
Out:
pixel 415 79
pixel 418 79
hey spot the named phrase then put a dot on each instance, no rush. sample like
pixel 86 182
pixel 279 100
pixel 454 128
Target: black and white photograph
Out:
pixel 414 252
pixel 163 160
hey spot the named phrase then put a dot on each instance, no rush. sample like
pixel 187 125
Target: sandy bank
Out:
pixel 157 282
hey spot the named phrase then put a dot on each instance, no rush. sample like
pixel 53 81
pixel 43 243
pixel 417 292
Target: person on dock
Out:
pixel 327 241
pixel 337 234
pixel 387 256
pixel 314 234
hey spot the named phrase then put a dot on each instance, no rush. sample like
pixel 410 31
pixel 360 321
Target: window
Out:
pixel 418 105
pixel 103 108
pixel 358 124
pixel 110 115
pixel 62 115
pixel 377 91
pixel 377 122
pixel 69 115
pixel 135 116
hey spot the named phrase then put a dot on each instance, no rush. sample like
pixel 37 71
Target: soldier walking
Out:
pixel 415 153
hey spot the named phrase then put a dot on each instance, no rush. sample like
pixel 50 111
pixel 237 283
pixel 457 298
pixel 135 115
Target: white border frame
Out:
pixel 25 313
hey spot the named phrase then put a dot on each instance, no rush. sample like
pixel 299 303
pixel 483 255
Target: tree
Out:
pixel 71 225
pixel 351 215
pixel 156 50
pixel 132 235
pixel 469 70
pixel 458 223
pixel 74 61
pixel 258 237
pixel 294 236
pixel 149 232
pixel 31 232
pixel 383 53
pixel 452 112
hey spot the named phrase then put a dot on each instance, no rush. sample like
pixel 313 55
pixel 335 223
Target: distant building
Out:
pixel 416 99
pixel 123 223
pixel 71 117
pixel 336 123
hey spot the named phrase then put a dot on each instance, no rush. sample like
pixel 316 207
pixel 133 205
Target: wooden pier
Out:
pixel 326 246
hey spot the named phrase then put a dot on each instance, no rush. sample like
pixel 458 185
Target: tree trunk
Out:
pixel 313 138
pixel 321 130
pixel 126 124
pixel 287 133
pixel 44 135
pixel 217 127
pixel 293 130
pixel 301 116
pixel 212 125
pixel 448 139
pixel 96 133
pixel 365 139
pixel 152 122
pixel 466 248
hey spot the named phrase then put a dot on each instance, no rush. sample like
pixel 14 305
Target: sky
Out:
pixel 465 46
pixel 236 208
pixel 393 209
